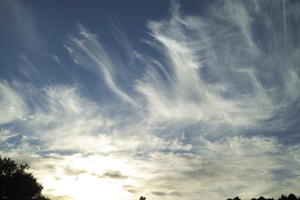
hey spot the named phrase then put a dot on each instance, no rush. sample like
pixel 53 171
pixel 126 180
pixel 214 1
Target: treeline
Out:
pixel 282 197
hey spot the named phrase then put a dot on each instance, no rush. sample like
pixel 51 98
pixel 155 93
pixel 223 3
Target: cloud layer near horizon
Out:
pixel 212 117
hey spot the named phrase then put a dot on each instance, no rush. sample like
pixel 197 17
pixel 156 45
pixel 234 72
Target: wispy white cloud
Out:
pixel 67 116
pixel 87 51
pixel 217 75
pixel 237 166
pixel 12 105
pixel 25 22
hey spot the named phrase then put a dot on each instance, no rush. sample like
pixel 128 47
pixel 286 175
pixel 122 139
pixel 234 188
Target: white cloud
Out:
pixel 66 116
pixel 12 106
pixel 25 22
pixel 90 53
pixel 215 74
pixel 236 166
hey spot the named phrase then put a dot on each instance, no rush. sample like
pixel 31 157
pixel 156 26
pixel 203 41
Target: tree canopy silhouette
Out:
pixel 142 198
pixel 282 197
pixel 16 183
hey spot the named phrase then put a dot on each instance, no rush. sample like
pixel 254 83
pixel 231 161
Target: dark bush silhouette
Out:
pixel 282 197
pixel 16 183
pixel 142 198
pixel 293 197
pixel 235 198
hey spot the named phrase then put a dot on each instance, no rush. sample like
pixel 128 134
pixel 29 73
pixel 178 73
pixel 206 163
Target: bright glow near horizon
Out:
pixel 81 178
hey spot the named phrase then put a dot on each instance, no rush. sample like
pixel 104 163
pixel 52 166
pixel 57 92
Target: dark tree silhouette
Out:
pixel 16 183
pixel 261 198
pixel 292 197
pixel 142 198
pixel 235 198
pixel 282 197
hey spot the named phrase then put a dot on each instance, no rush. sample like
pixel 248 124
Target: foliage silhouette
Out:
pixel 282 197
pixel 235 198
pixel 16 183
pixel 142 198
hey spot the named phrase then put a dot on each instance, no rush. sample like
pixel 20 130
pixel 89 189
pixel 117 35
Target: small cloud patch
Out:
pixel 113 175
pixel 158 193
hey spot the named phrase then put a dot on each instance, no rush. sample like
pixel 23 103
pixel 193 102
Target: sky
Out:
pixel 111 99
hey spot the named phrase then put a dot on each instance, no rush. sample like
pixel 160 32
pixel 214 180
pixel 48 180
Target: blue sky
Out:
pixel 167 99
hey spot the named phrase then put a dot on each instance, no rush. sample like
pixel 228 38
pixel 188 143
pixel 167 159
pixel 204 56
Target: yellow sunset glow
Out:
pixel 84 178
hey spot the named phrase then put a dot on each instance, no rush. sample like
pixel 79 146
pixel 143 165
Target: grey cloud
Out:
pixel 50 168
pixel 57 178
pixel 131 189
pixel 157 193
pixel 73 172
pixel 175 194
pixel 56 153
pixel 113 175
